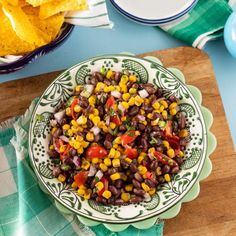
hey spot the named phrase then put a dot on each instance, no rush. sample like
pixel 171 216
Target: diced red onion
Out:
pixel 141 117
pixel 87 91
pixel 107 120
pixel 99 174
pixel 64 138
pixel 59 115
pixel 143 93
pixel 55 146
pixel 53 123
pixel 147 197
pixel 121 108
pixel 76 161
pixel 92 170
pixel 116 94
pixel 95 130
pixel 159 99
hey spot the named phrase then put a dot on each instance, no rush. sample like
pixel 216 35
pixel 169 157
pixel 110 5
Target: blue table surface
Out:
pixel 127 36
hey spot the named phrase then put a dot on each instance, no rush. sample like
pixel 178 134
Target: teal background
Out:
pixel 129 36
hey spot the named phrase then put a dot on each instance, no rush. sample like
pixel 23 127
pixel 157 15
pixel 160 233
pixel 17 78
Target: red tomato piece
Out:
pixel 129 137
pixel 96 151
pixel 116 119
pixel 131 153
pixel 110 102
pixel 81 178
pixel 72 106
pixel 165 159
pixel 168 129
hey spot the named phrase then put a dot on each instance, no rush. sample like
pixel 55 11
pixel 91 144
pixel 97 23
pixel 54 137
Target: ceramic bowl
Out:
pixel 17 63
pixel 166 203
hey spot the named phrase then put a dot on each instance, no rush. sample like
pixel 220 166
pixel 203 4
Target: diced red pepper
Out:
pixel 58 143
pixel 110 103
pixel 131 153
pixel 129 137
pixel 115 119
pixel 63 155
pixel 168 129
pixel 72 106
pixel 81 178
pixel 165 159
pixel 174 142
pixel 96 151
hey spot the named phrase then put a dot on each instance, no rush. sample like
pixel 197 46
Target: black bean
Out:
pixel 183 142
pixel 160 179
pixel 133 167
pixel 139 192
pixel 101 111
pixel 63 121
pixel 179 160
pixel 135 86
pixel 98 199
pixel 112 170
pixel 138 177
pixel 136 183
pixel 154 165
pixel 122 128
pixel 134 123
pixel 165 169
pixel 107 82
pixel 135 199
pixel 118 183
pixel 146 107
pixel 148 129
pixel 89 109
pixel 109 137
pixel 98 76
pixel 56 171
pixel 150 183
pixel 83 102
pixel 149 88
pixel 124 164
pixel 68 161
pixel 152 98
pixel 141 127
pixel 157 115
pixel 93 80
pixel 160 149
pixel 104 201
pixel 181 120
pixel 113 190
pixel 93 182
pixel 129 85
pixel 156 128
pixel 111 200
pixel 119 202
pixel 133 111
pixel 117 76
pixel 107 144
pixel 53 153
pixel 175 170
pixel 159 93
pixel 172 98
pixel 144 145
pixel 175 127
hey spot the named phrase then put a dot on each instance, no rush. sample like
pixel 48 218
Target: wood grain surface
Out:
pixel 213 213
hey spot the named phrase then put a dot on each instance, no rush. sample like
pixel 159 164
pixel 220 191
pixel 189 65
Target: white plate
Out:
pixel 153 11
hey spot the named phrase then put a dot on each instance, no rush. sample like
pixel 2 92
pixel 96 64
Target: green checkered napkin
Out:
pixel 24 208
pixel 205 22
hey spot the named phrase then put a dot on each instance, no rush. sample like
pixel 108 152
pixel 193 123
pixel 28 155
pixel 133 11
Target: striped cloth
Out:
pixel 205 22
pixel 25 210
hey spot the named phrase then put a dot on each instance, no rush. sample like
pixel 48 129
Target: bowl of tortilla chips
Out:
pixel 32 28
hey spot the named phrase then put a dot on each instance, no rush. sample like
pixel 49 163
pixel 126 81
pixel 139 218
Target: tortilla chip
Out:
pixel 12 2
pixel 22 26
pixel 56 6
pixel 36 3
pixel 10 43
pixel 51 26
pixel 22 3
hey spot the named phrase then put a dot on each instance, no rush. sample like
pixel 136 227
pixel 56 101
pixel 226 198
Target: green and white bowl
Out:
pixel 167 202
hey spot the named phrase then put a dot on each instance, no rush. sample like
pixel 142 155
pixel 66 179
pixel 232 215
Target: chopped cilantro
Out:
pixel 96 179
pixel 111 112
pixel 153 141
pixel 69 101
pixel 115 131
pixel 131 134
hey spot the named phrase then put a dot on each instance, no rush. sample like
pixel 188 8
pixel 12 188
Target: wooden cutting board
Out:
pixel 214 211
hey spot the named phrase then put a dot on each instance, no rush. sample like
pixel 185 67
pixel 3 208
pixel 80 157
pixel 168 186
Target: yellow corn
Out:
pixel 95 112
pixel 128 160
pixel 90 136
pixel 132 90
pixel 131 101
pixel 115 146
pixel 149 116
pixel 132 78
pixel 103 167
pixel 125 197
pixel 61 178
pixel 161 109
pixel 166 144
pixel 76 144
pixel 74 185
pixel 142 112
pixel 96 120
pixel 95 160
pixel 151 150
pixel 81 192
pixel 105 129
pixel 112 153
pixel 101 124
pixel 66 127
pixel 85 164
pixel 116 162
pixel 140 159
pixel 84 144
pixel 117 140
pixel 62 148
pixel 77 88
pixel 107 161
pixel 123 118
pixel 77 108
pixel 164 103
pixel 125 105
pixel 91 116
pixel 156 105
pixel 145 187
pixel 74 123
pixel 106 89
pixel 109 74
pixel 82 120
pixel 142 169
pixel 100 86
pixel 80 150
pixel 117 154
pixel 124 79
pixel 183 133
pixel 171 153
pixel 123 88
pixel 138 100
pixel 53 130
pixel 74 129
pixel 152 191
pixel 126 96
pixel 158 170
pixel 154 122
pixel 99 185
pixel 129 187
pixel 112 125
pixel 68 111
pixel 181 154
pixel 106 194
pixel 71 142
pixel 79 138
pixel 51 147
pixel 173 105
pixel 87 194
pixel 92 100
pixel 115 176
pixel 173 111
pixel 142 154
pixel 164 114
pixel 167 177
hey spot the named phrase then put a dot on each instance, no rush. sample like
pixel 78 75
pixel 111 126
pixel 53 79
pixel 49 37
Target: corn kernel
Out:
pixel 82 120
pixel 115 176
pixel 95 112
pixel 66 127
pixel 142 112
pixel 156 105
pixel 53 130
pixel 132 78
pixel 117 154
pixel 161 109
pixel 181 154
pixel 77 88
pixel 105 129
pixel 123 118
pixel 90 136
pixel 107 161
pixel 77 108
pixel 99 185
pixel 151 150
pixel 149 116
pixel 164 103
pixel 123 88
pixel 106 194
pixel 140 159
pixel 112 153
pixel 173 111
pixel 103 167
pixel 167 177
pixel 62 148
pixel 61 178
pixel 126 96
pixel 51 147
pixel 143 154
pixel 124 79
pixel 152 191
pixel 74 123
pixel 129 187
pixel 123 177
pixel 116 162
pixel 132 90
pixel 164 114
pixel 171 153
pixel 158 170
pixel 117 140
pixel 74 129
pixel 87 194
pixel 100 86
pixel 81 192
pixel 71 142
pixel 117 87
pixel 79 138
pixel 125 197
pixel 101 124
pixel 166 144
pixel 115 146
pixel 112 125
pixel 145 187
pixel 84 144
pixel 128 160
pixel 91 116
pixel 125 105
pixel 68 111
pixel 95 160
pixel 92 100
pixel 154 122
pixel 74 185
pixel 131 101
pixel 142 169
pixel 138 100
pixel 109 74
pixel 76 144
pixel 173 105
pixel 80 150
pixel 96 120
pixel 111 88
pixel 106 89
pixel 183 133
pixel 85 164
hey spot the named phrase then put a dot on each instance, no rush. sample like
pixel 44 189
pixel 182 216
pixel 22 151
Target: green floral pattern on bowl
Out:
pixel 167 202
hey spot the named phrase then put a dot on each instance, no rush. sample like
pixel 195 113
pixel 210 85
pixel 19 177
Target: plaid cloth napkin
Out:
pixel 205 22
pixel 24 208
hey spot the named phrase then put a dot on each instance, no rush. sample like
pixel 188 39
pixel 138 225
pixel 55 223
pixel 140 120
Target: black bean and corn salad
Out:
pixel 116 140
